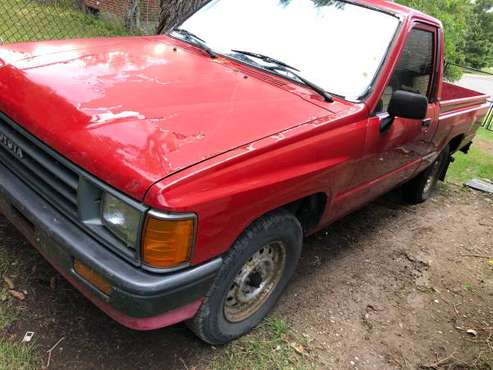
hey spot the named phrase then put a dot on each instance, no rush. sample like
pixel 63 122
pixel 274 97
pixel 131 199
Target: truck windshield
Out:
pixel 337 45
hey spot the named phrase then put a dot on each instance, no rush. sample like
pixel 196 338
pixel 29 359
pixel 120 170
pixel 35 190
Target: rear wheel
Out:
pixel 421 188
pixel 251 279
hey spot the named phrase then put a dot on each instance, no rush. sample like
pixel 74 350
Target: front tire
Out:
pixel 421 188
pixel 252 278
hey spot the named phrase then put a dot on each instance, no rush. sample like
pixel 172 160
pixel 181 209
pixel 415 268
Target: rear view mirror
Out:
pixel 406 104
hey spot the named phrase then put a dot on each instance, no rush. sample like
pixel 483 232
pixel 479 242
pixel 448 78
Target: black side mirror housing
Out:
pixel 406 104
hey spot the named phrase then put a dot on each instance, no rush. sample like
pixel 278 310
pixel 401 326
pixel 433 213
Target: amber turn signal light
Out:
pixel 167 242
pixel 92 277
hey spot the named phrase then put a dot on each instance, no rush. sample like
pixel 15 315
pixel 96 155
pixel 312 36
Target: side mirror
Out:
pixel 405 104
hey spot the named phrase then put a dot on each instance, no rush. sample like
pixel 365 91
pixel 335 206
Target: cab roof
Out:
pixel 399 10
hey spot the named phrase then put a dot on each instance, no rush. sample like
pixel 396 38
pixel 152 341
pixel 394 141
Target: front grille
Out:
pixel 38 168
pixel 63 184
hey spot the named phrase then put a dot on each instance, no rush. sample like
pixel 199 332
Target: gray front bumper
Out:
pixel 136 293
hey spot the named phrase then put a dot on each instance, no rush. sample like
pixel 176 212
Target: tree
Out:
pixel 174 12
pixel 479 38
pixel 132 18
pixel 455 15
pixel 468 28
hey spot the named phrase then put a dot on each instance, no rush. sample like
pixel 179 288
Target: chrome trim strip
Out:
pixel 454 113
pixel 172 216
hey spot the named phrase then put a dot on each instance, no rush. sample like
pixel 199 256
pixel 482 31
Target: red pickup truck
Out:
pixel 172 178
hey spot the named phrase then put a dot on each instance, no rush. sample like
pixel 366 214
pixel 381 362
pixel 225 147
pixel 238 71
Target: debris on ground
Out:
pixel 17 295
pixel 53 283
pixel 50 351
pixel 481 185
pixel 9 282
pixel 28 337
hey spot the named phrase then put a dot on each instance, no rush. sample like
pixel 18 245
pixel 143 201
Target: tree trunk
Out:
pixel 80 4
pixel 132 18
pixel 175 12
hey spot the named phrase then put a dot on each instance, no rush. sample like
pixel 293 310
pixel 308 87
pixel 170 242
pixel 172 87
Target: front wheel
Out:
pixel 421 188
pixel 251 279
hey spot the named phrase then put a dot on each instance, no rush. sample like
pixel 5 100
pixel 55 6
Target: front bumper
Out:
pixel 139 299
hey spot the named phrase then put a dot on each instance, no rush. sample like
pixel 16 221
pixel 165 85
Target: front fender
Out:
pixel 229 192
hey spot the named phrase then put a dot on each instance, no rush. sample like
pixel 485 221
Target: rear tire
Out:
pixel 421 188
pixel 253 275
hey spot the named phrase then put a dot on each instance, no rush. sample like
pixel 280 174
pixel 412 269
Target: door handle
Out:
pixel 427 122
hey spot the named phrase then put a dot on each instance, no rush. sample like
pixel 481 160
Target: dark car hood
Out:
pixel 132 111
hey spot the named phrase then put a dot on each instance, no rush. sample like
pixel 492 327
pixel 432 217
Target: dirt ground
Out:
pixel 395 286
pixel 485 146
pixel 392 286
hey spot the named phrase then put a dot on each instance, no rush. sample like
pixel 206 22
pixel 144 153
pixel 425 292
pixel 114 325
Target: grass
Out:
pixel 271 346
pixel 486 135
pixel 476 164
pixel 27 20
pixel 17 356
pixel 7 314
pixel 13 355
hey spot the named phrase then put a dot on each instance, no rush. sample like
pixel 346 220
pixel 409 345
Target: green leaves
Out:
pixel 468 31
pixel 479 46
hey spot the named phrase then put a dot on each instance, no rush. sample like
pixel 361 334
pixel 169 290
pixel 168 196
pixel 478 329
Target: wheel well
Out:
pixel 308 210
pixel 455 143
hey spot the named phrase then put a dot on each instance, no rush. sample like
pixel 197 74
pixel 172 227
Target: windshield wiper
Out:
pixel 281 66
pixel 197 41
pixel 265 58
pixel 320 90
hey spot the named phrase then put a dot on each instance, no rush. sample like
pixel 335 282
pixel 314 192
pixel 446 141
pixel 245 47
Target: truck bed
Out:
pixel 461 113
pixel 456 97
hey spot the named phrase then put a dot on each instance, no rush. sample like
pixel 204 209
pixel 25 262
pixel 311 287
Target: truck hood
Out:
pixel 132 111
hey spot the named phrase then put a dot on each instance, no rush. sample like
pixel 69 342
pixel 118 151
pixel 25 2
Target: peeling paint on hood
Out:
pixel 132 111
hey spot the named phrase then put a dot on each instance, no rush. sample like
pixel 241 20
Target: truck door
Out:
pixel 392 156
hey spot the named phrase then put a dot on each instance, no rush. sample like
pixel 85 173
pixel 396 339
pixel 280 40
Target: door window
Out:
pixel 414 71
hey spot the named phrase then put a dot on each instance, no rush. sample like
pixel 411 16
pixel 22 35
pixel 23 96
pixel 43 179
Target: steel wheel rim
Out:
pixel 255 282
pixel 432 178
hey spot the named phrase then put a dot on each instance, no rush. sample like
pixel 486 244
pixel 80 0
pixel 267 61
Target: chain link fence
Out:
pixel 28 20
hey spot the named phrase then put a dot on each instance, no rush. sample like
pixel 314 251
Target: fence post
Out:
pixel 488 120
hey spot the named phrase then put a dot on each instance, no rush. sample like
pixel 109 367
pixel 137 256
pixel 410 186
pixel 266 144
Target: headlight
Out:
pixel 168 240
pixel 121 219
